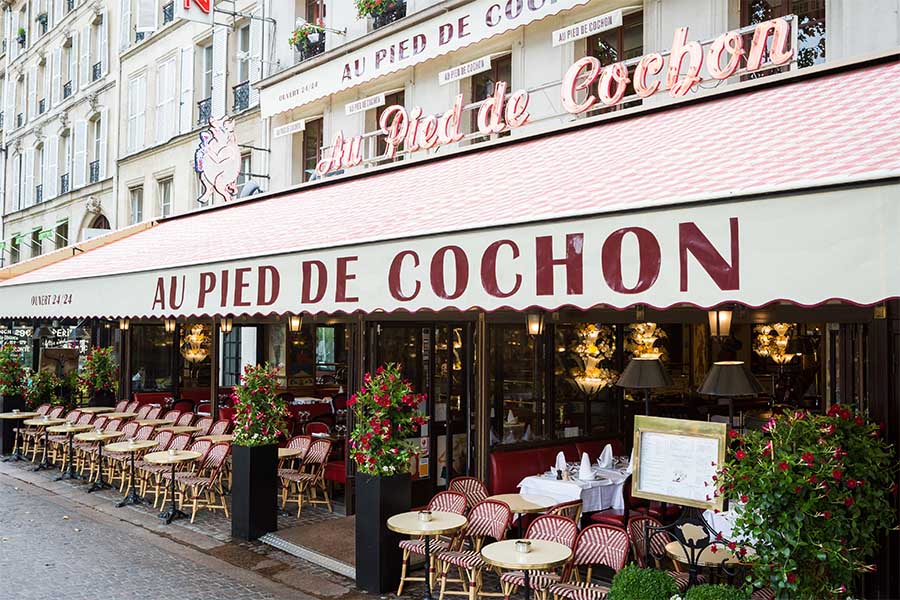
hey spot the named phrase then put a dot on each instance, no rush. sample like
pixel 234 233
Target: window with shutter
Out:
pixel 125 24
pixel 136 107
pixel 79 162
pixel 219 70
pixel 32 93
pixel 51 177
pixel 186 116
pixel 28 180
pixel 84 76
pixel 256 55
pixel 147 16
pixel 103 44
pixel 17 182
pixel 56 79
pixel 103 150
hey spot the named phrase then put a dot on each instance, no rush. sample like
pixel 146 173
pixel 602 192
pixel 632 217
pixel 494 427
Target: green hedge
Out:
pixel 634 583
pixel 716 592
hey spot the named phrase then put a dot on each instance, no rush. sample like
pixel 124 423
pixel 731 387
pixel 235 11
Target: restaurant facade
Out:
pixel 514 271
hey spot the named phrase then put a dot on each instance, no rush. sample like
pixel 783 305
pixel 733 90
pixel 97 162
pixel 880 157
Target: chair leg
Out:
pixel 404 566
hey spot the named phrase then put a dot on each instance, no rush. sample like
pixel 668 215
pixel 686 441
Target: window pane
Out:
pixel 518 412
pixel 151 358
pixel 312 147
pixel 395 99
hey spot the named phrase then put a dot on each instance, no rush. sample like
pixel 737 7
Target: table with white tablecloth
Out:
pixel 598 494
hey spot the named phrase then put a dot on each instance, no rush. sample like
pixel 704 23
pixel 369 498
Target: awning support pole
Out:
pixel 482 410
pixel 214 371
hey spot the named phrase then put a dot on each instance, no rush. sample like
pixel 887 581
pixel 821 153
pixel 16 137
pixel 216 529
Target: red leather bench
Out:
pixel 151 397
pixel 336 471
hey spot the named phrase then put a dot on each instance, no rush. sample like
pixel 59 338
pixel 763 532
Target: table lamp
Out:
pixel 645 373
pixel 730 379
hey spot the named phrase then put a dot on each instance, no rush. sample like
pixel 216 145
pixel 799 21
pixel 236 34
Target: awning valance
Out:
pixel 729 199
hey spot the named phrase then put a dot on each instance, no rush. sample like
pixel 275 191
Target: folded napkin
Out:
pixel 560 462
pixel 585 471
pixel 510 417
pixel 526 437
pixel 630 463
pixel 606 458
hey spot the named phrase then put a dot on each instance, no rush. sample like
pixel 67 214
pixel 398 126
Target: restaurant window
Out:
pixel 164 189
pixel 483 87
pixel 246 169
pixel 810 28
pixel 276 355
pixel 196 369
pixel 136 204
pixel 36 245
pixel 238 349
pixel 301 357
pixel 518 409
pixel 312 148
pixel 62 234
pixel 331 355
pixel 151 358
pixel 617 45
pixel 397 98
pixel 15 249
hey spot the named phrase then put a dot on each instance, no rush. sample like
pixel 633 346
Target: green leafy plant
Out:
pixel 716 592
pixel 13 376
pixel 372 8
pixel 386 416
pixel 634 583
pixel 300 37
pixel 99 371
pixel 260 413
pixel 42 389
pixel 816 492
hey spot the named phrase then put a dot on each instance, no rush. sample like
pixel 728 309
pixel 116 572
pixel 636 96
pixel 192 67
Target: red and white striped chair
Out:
pixel 447 501
pixel 220 427
pixel 571 509
pixel 143 412
pixel 201 488
pixel 473 488
pixel 487 519
pixel 638 534
pixel 184 419
pixel 132 406
pixel 146 470
pixel 596 545
pixel 551 528
pixel 204 423
pixel 154 412
pixel 179 442
pixel 171 416
pixel 121 405
pixel 310 477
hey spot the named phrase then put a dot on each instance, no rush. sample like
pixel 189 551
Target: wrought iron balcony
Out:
pixel 139 36
pixel 96 71
pixel 67 89
pixel 204 111
pixel 38 193
pixel 3 47
pixel 20 120
pixel 70 5
pixel 168 12
pixel 241 96
pixel 42 21
pixel 395 13
pixel 42 106
pixel 95 171
pixel 64 183
pixel 1 119
pixel 312 49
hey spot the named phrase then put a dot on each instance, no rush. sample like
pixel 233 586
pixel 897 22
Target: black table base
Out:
pixel 132 497
pixel 44 464
pixel 100 484
pixel 527 584
pixel 17 453
pixel 427 595
pixel 69 472
pixel 172 513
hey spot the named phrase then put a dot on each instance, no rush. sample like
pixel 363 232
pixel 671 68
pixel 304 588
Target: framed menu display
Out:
pixel 675 461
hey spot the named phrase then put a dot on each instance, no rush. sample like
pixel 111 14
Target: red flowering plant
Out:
pixel 43 388
pixel 300 37
pixel 260 414
pixel 816 499
pixel 373 8
pixel 13 377
pixel 386 417
pixel 99 371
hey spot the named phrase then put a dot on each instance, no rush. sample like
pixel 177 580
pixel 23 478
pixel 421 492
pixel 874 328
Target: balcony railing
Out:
pixel 390 15
pixel 96 71
pixel 42 21
pixel 20 120
pixel 42 106
pixel 70 5
pixel 38 193
pixel 168 12
pixel 241 96
pixel 67 89
pixel 204 111
pixel 3 46
pixel 313 48
pixel 139 36
pixel 95 171
pixel 64 183
pixel 1 119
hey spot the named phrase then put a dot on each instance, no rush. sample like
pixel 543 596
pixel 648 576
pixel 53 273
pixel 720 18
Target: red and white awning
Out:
pixel 734 200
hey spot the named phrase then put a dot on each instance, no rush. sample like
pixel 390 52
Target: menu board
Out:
pixel 675 460
pixel 20 338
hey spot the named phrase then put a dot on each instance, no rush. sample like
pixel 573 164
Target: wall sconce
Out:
pixel 170 325
pixel 720 323
pixel 226 324
pixel 535 323
pixel 295 322
pixel 124 324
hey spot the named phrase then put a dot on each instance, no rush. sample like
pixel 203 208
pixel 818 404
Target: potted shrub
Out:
pixel 382 12
pixel 306 37
pixel 634 583
pixel 716 591
pixel 386 416
pixel 100 376
pixel 12 389
pixel 259 420
pixel 43 388
pixel 815 493
pixel 20 37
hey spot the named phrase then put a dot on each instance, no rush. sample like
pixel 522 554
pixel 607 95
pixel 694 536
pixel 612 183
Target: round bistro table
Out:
pixel 289 452
pixel 120 415
pixel 154 422
pixel 69 430
pixel 543 555
pixel 17 415
pixel 165 458
pixel 216 439
pixel 97 410
pixel 707 558
pixel 441 523
pixel 524 504
pixel 42 423
pixel 131 447
pixel 178 429
pixel 101 438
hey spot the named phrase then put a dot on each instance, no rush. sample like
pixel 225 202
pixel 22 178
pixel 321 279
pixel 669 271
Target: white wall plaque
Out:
pixel 467 70
pixel 592 26
pixel 364 104
pixel 288 129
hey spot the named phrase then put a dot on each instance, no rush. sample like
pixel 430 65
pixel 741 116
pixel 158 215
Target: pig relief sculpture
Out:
pixel 217 161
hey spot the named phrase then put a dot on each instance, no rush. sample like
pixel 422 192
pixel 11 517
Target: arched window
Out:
pixel 100 222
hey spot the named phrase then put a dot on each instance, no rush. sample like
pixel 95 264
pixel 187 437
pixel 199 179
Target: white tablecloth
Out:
pixel 594 495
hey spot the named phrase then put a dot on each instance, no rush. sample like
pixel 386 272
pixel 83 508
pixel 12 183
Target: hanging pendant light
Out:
pixel 535 323
pixel 720 323
pixel 295 322
pixel 170 325
pixel 226 324
pixel 124 324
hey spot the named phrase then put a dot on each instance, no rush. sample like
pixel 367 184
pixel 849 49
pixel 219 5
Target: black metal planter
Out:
pixel 103 398
pixel 254 491
pixel 389 16
pixel 377 553
pixel 7 436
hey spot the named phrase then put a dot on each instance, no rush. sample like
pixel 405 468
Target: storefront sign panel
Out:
pixel 750 252
pixel 463 71
pixel 587 28
pixel 455 29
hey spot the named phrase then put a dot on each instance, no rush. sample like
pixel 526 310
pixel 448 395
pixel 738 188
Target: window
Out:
pixel 166 101
pixel 164 189
pixel 243 67
pixel 483 86
pixel 136 202
pixel 15 254
pixel 137 98
pixel 152 352
pixel 810 31
pixel 36 245
pixel 246 170
pixel 207 72
pixel 517 404
pixel 40 88
pixel 619 44
pixel 97 145
pixel 19 181
pixel 312 148
pixel 315 10
pixel 65 151
pixel 39 174
pixel 396 98
pixel 62 234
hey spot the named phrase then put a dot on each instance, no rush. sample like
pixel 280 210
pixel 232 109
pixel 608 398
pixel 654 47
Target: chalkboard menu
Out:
pixel 18 337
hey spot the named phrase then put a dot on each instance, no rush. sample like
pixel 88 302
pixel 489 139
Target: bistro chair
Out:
pixel 43 409
pixel 145 469
pixel 202 489
pixel 597 545
pixel 551 528
pixel 117 462
pixel 188 470
pixel 639 535
pixel 59 447
pixel 204 423
pixel 92 452
pixel 179 442
pixel 487 519
pixel 171 416
pixel 185 419
pixel 36 435
pixel 317 428
pixel 292 465
pixel 447 501
pixel 121 405
pixel 154 412
pixel 309 478
pixel 571 509
pixel 143 412
pixel 133 406
pixel 220 427
pixel 473 488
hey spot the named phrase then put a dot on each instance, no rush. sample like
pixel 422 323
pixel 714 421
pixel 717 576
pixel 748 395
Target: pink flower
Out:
pixel 783 466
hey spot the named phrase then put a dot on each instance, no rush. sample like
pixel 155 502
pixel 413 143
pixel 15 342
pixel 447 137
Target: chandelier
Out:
pixel 646 340
pixel 195 345
pixel 596 344
pixel 771 341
